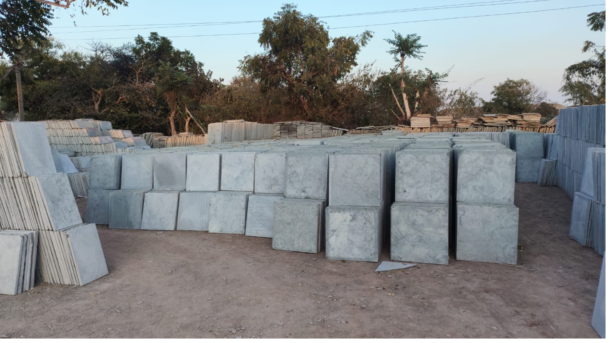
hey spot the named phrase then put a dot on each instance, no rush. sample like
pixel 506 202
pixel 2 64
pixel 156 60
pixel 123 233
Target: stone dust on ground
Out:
pixel 190 284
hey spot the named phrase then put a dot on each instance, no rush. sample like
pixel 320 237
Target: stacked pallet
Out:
pixel 238 131
pixel 304 130
pixel 422 120
pixel 444 121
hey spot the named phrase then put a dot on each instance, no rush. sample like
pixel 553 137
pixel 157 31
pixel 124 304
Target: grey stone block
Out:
pixel 59 200
pixel 527 169
pixel 260 215
pixel 487 233
pixel 297 225
pixel 306 176
pixel 11 251
pixel 203 172
pixel 423 175
pixel 98 206
pixel 353 233
pixel 137 171
pixel 356 179
pixel 105 172
pixel 237 171
pixel 599 311
pixel 228 212
pixel 270 171
pixel 160 210
pixel 420 232
pixel 34 149
pixel 169 172
pixel 486 176
pixel 126 209
pixel 194 211
pixel 87 252
pixel 527 144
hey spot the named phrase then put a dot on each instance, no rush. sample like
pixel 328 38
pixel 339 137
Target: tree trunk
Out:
pixel 19 94
pixel 172 125
pixel 186 125
pixel 402 90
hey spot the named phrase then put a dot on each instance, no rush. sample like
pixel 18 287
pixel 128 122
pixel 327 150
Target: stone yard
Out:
pixel 199 284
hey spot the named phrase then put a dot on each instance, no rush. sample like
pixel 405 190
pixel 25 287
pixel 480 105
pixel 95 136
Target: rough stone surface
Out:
pixel 34 149
pixel 87 252
pixel 527 169
pixel 203 172
pixel 486 177
pixel 126 209
pixel 59 200
pixel 356 179
pixel 237 171
pixel 170 172
pixel 527 144
pixel 260 215
pixel 194 211
pixel 297 225
pixel 423 175
pixel 105 172
pixel 353 233
pixel 137 171
pixel 228 212
pixel 160 210
pixel 98 206
pixel 270 171
pixel 306 176
pixel 420 232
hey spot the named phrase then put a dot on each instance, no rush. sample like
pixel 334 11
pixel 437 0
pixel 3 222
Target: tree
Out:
pixel 103 6
pixel 515 97
pixel 301 57
pixel 584 83
pixel 405 47
pixel 461 102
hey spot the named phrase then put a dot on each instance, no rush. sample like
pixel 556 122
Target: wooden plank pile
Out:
pixel 422 120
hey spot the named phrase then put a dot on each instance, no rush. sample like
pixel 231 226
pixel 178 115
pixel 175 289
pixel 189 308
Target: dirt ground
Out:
pixel 189 284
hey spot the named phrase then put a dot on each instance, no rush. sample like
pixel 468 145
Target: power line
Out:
pixel 416 9
pixel 371 25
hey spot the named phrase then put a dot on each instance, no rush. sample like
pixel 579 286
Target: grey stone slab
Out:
pixel 259 221
pixel 580 221
pixel 126 209
pixel 194 211
pixel 269 173
pixel 160 210
pixel 486 177
pixel 420 232
pixel 203 172
pixel 105 172
pixel 11 247
pixel 423 175
pixel 34 149
pixel 487 233
pixel 237 171
pixel 169 172
pixel 356 179
pixel 353 233
pixel 527 144
pixel 306 176
pixel 98 206
pixel 66 164
pixel 87 252
pixel 599 311
pixel 228 212
pixel 137 171
pixel 527 169
pixel 387 266
pixel 59 200
pixel 297 225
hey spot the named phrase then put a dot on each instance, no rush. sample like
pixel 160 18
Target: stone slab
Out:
pixel 306 176
pixel 105 172
pixel 169 172
pixel 420 232
pixel 599 311
pixel 353 233
pixel 137 171
pixel 527 169
pixel 486 176
pixel 11 248
pixel 34 149
pixel 98 206
pixel 194 211
pixel 423 175
pixel 260 215
pixel 203 172
pixel 160 210
pixel 487 233
pixel 126 209
pixel 297 225
pixel 228 212
pixel 237 171
pixel 387 266
pixel 270 172
pixel 87 252
pixel 356 179
pixel 60 200
pixel 527 144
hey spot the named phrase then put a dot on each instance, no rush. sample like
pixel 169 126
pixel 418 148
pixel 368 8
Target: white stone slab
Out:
pixel 170 172
pixel 87 252
pixel 105 172
pixel 137 171
pixel 270 171
pixel 353 233
pixel 160 210
pixel 237 171
pixel 306 176
pixel 228 212
pixel 260 215
pixel 203 172
pixel 34 148
pixel 356 179
pixel 11 247
pixel 60 201
pixel 298 225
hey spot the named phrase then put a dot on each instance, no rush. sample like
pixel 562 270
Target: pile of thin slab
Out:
pixel 238 131
pixel 18 251
pixel 34 197
pixel 529 147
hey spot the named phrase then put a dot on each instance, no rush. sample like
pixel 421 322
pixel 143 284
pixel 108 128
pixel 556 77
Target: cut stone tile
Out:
pixel 87 252
pixel 527 144
pixel 203 172
pixel 599 311
pixel 420 233
pixel 487 233
pixel 11 248
pixel 270 172
pixel 237 171
pixel 169 171
pixel 126 209
pixel 105 172
pixel 306 176
pixel 260 215
pixel 527 169
pixel 137 171
pixel 297 225
pixel 34 149
pixel 98 207
pixel 486 176
pixel 423 175
pixel 160 210
pixel 228 212
pixel 194 211
pixel 60 201
pixel 353 233
pixel 356 179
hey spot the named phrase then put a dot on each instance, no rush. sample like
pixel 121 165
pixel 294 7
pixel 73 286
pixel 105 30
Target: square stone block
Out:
pixel 203 172
pixel 105 172
pixel 126 209
pixel 98 206
pixel 423 175
pixel 420 232
pixel 306 176
pixel 169 172
pixel 527 144
pixel 87 252
pixel 33 148
pixel 487 233
pixel 527 169
pixel 160 210
pixel 353 233
pixel 194 211
pixel 137 171
pixel 237 171
pixel 356 179
pixel 59 201
pixel 228 212
pixel 260 215
pixel 270 171
pixel 297 225
pixel 486 176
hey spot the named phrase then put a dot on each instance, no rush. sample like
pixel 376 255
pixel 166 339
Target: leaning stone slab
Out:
pixel 194 211
pixel 487 233
pixel 486 176
pixel 237 171
pixel 59 201
pixel 137 171
pixel 34 149
pixel 228 212
pixel 356 179
pixel 353 233
pixel 420 232
pixel 87 252
pixel 98 206
pixel 527 144
pixel 259 221
pixel 169 172
pixel 306 176
pixel 527 169
pixel 105 172
pixel 423 175
pixel 160 210
pixel 126 209
pixel 297 225
pixel 203 172
pixel 270 170
pixel 599 311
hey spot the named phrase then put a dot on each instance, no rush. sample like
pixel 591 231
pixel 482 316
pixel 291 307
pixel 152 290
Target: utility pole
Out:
pixel 19 92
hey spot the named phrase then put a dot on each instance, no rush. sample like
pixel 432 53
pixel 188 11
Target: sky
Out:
pixel 479 52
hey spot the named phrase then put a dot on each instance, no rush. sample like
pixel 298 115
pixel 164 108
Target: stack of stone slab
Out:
pixel 529 147
pixel 79 180
pixel 104 177
pixel 18 250
pixel 238 131
pixel 33 197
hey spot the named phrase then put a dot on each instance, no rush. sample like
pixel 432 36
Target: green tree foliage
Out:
pixel 584 83
pixel 460 103
pixel 514 97
pixel 23 24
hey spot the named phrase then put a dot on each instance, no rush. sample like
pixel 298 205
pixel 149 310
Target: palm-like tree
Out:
pixel 404 47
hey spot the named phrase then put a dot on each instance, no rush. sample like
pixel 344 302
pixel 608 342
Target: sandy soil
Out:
pixel 186 284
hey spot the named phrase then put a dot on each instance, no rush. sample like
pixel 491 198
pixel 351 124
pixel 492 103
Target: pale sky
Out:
pixel 535 46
